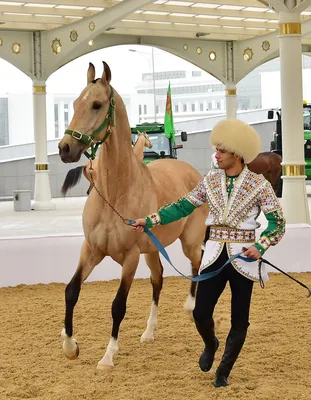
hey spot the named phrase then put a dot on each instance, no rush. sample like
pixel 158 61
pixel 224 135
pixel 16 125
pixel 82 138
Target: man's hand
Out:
pixel 138 225
pixel 251 252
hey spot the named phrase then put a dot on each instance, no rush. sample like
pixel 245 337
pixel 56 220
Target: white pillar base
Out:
pixel 42 198
pixel 295 201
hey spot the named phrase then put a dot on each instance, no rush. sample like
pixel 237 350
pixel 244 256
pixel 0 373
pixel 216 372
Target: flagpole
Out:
pixel 154 93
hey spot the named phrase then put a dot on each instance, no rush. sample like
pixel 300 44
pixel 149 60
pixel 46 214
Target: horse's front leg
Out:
pixel 154 263
pixel 88 260
pixel 118 308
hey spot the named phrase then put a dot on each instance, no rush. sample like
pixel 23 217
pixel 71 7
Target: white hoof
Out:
pixel 147 336
pixel 70 346
pixel 189 306
pixel 102 365
pixel 107 360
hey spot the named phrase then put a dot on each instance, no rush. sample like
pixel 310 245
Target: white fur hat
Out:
pixel 237 137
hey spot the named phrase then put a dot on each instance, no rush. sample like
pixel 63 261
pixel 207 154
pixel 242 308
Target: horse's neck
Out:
pixel 118 166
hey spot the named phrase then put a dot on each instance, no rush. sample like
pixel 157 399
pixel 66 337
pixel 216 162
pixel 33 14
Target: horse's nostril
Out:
pixel 66 148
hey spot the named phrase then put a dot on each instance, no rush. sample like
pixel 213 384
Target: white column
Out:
pixel 42 195
pixel 231 103
pixel 295 202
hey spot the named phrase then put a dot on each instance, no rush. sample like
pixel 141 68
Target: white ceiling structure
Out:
pixel 209 20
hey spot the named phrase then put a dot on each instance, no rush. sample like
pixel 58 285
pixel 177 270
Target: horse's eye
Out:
pixel 97 105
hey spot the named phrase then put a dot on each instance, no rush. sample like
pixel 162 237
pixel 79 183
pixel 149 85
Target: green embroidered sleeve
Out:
pixel 181 208
pixel 170 213
pixel 275 230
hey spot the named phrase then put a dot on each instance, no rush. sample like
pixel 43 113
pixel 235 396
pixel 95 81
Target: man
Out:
pixel 235 196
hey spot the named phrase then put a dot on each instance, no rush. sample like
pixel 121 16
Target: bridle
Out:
pixel 90 140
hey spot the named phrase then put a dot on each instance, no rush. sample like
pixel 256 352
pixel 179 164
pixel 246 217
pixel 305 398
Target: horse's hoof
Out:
pixel 189 306
pixel 71 351
pixel 104 367
pixel 147 336
pixel 146 339
pixel 70 346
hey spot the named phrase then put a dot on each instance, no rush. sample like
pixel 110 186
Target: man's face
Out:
pixel 225 159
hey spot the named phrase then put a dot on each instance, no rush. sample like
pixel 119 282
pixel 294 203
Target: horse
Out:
pixel 269 165
pixel 74 175
pixel 126 188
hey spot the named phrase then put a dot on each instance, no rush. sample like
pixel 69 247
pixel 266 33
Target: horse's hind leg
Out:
pixel 118 309
pixel 154 263
pixel 193 251
pixel 88 260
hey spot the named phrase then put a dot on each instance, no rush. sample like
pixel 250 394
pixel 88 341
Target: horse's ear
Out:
pixel 90 73
pixel 106 77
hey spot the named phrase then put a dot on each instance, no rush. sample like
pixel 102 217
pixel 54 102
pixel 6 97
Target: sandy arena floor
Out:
pixel 275 362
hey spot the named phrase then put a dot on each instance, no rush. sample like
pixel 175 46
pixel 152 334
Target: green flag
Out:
pixel 168 120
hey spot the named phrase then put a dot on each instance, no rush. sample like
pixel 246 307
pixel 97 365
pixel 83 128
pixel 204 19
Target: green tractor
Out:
pixel 276 144
pixel 162 146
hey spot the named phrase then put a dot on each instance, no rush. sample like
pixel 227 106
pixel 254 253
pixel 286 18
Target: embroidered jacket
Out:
pixel 234 206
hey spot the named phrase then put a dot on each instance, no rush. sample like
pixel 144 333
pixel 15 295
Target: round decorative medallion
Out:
pixel 199 50
pixel 91 43
pixel 56 46
pixel 212 55
pixel 1 42
pixel 91 25
pixel 265 45
pixel 248 54
pixel 185 47
pixel 16 48
pixel 73 36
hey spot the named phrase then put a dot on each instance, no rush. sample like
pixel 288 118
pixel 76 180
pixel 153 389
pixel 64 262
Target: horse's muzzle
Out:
pixel 70 153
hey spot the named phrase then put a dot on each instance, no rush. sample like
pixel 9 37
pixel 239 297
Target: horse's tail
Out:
pixel 72 179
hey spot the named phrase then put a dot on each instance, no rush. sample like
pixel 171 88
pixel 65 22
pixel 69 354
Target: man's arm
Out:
pixel 272 209
pixel 180 209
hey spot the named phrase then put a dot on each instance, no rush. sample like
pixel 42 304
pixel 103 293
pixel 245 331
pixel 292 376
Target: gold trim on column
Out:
pixel 291 28
pixel 42 167
pixel 230 92
pixel 39 89
pixel 294 170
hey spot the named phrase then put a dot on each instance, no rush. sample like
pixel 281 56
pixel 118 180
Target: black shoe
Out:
pixel 220 380
pixel 207 357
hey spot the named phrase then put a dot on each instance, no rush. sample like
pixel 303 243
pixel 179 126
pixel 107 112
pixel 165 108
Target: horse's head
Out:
pixel 93 114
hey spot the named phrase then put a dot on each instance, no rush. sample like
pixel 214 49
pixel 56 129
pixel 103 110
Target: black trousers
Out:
pixel 209 291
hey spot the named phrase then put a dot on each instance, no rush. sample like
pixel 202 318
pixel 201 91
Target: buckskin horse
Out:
pixel 127 188
pixel 267 163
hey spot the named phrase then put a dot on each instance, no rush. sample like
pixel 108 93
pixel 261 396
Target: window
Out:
pixel 196 73
pixel 218 105
pixel 184 107
pixel 145 109
pixel 139 109
pixel 56 121
pixel 186 89
pixel 192 107
pixel 176 108
pixel 201 106
pixel 4 122
pixel 210 106
pixel 66 115
pixel 157 109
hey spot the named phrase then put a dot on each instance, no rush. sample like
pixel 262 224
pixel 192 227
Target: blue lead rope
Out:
pixel 198 278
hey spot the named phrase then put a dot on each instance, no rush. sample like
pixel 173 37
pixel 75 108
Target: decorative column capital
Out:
pixel 290 28
pixel 230 92
pixel 41 167
pixel 294 170
pixel 39 89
